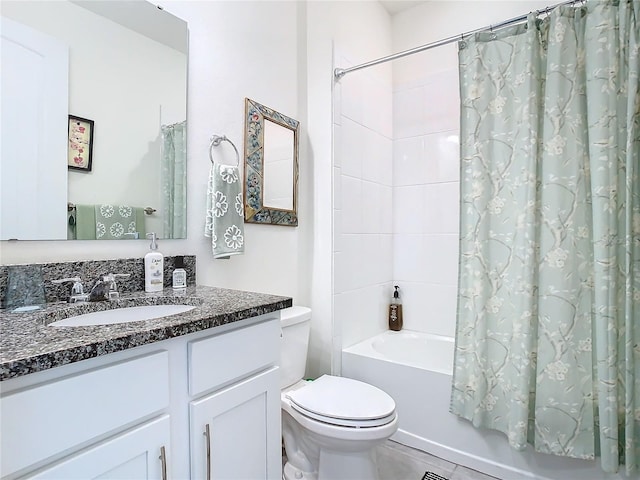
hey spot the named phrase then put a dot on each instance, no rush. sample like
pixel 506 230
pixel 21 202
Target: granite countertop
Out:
pixel 28 344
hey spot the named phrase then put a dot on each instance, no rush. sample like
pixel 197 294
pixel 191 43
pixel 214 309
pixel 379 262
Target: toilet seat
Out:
pixel 343 402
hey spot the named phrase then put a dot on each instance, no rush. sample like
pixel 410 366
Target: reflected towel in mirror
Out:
pixel 224 222
pixel 85 222
pixel 114 222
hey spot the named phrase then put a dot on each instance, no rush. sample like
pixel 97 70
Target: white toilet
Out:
pixel 332 425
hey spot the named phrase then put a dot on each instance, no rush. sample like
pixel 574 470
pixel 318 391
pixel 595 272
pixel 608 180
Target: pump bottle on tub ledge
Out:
pixel 395 311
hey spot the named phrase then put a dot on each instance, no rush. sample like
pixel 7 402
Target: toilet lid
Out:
pixel 344 401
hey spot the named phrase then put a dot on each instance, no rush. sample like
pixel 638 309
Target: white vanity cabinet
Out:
pixel 139 454
pixel 235 431
pixel 142 413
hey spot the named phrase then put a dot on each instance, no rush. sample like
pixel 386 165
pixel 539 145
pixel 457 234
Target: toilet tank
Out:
pixel 296 324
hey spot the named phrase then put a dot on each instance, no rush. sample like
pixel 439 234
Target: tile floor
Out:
pixel 399 462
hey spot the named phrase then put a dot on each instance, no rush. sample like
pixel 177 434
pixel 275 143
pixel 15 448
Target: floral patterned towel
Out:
pixel 114 222
pixel 225 211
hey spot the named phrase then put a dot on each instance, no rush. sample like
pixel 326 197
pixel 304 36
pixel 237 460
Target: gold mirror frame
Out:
pixel 254 209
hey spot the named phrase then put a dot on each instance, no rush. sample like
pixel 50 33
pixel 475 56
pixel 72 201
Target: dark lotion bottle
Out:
pixel 395 311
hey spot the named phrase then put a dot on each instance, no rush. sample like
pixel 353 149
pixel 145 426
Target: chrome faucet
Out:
pixel 77 290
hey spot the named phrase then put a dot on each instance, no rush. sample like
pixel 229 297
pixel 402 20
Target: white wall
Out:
pixel 237 50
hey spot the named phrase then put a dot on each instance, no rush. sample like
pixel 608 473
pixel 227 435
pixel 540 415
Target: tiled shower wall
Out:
pixel 396 195
pixel 425 197
pixel 363 223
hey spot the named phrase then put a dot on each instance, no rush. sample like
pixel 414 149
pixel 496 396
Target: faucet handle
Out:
pixel 111 277
pixel 77 290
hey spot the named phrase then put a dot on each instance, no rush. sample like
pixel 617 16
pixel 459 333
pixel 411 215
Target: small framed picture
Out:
pixel 80 144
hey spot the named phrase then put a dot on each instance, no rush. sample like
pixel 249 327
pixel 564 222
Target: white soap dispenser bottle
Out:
pixel 153 267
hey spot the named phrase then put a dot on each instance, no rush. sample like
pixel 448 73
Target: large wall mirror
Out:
pixel 120 65
pixel 271 166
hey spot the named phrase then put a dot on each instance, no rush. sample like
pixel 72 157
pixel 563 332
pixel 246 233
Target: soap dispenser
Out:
pixel 395 311
pixel 153 267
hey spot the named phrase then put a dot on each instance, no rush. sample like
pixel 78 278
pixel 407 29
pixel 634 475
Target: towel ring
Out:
pixel 216 140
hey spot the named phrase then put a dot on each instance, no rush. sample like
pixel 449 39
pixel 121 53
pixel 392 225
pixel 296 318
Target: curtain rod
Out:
pixel 338 73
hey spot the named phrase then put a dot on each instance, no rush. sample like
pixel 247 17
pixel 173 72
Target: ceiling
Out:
pixel 395 6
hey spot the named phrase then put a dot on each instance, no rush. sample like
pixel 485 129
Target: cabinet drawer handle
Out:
pixel 207 434
pixel 163 459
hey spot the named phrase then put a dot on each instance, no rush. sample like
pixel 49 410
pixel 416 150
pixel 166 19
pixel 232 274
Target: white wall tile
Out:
pixel 369 260
pixel 440 260
pixel 351 205
pixel 372 157
pixel 373 310
pixel 386 209
pixel 371 205
pixel 378 109
pixel 408 113
pixel 377 161
pixel 371 93
pixel 441 156
pixel 409 166
pixel 352 260
pixel 384 272
pixel 441 102
pixel 346 315
pixel 352 96
pixel 362 313
pixel 386 171
pixel 408 258
pixel 429 308
pixel 440 208
pixel 352 136
pixel 356 324
pixel 408 209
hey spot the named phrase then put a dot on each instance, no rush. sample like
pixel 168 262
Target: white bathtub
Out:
pixel 416 370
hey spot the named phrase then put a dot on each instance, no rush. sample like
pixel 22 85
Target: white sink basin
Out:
pixel 122 315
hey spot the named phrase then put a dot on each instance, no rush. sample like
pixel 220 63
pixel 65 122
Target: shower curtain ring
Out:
pixel 493 35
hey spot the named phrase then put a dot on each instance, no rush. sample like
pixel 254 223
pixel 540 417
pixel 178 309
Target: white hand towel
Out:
pixel 225 211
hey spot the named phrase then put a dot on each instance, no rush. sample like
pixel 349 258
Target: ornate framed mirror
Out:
pixel 270 166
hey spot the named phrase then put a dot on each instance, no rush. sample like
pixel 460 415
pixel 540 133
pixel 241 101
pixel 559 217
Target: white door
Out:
pixel 140 454
pixel 33 133
pixel 235 433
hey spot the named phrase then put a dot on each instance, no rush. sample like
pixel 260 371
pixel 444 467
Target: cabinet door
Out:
pixel 138 454
pixel 235 433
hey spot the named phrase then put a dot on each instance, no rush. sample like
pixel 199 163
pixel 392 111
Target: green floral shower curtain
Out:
pixel 548 332
pixel 174 180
